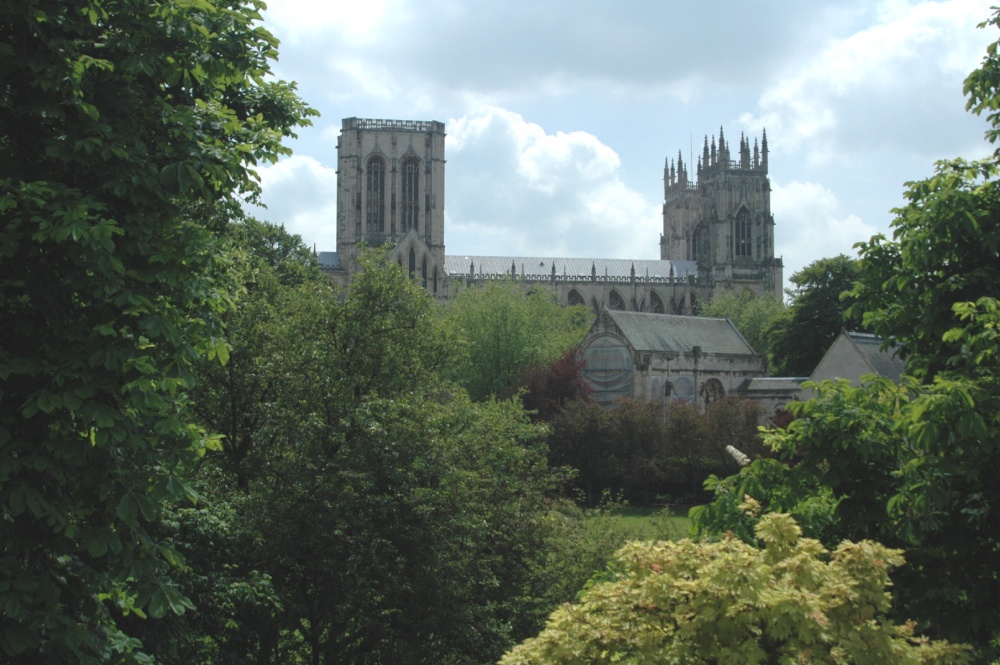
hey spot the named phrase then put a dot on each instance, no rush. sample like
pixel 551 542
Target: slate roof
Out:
pixel 883 363
pixel 679 334
pixel 540 268
pixel 329 260
pixel 761 384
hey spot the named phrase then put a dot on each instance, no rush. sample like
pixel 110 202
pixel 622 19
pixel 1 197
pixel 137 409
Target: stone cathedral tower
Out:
pixel 722 218
pixel 390 189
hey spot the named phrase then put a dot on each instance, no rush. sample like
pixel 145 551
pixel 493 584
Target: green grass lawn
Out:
pixel 647 521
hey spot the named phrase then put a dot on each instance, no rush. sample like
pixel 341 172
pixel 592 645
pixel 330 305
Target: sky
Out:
pixel 560 114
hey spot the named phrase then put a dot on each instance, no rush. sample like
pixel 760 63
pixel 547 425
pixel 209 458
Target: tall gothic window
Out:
pixel 411 193
pixel 423 272
pixel 656 303
pixel 743 244
pixel 375 195
pixel 695 245
pixel 615 301
pixel 413 263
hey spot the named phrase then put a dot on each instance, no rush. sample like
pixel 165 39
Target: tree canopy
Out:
pixel 911 463
pixel 123 126
pixel 819 309
pixel 730 602
pixel 501 330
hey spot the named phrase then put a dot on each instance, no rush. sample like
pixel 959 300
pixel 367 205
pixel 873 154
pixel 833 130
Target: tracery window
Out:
pixel 574 298
pixel 615 301
pixel 695 249
pixel 656 303
pixel 742 233
pixel 375 195
pixel 411 189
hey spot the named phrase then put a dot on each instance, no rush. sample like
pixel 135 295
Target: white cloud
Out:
pixel 535 193
pixel 349 20
pixel 869 89
pixel 301 194
pixel 810 225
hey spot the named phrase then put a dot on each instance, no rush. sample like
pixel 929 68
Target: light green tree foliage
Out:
pixel 752 315
pixel 502 330
pixel 729 602
pixel 121 123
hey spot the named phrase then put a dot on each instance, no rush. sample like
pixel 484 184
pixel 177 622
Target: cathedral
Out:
pixel 718 231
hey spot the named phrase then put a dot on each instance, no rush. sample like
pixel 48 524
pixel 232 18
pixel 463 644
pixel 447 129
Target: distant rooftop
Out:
pixel 393 125
pixel 885 363
pixel 329 260
pixel 540 268
pixel 680 334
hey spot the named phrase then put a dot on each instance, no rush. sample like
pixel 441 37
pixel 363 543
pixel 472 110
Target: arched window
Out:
pixel 695 245
pixel 413 263
pixel 435 280
pixel 375 195
pixel 423 272
pixel 742 233
pixel 712 391
pixel 656 303
pixel 411 193
pixel 615 301
pixel 574 298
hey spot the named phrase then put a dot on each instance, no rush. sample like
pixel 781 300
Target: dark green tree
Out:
pixel 817 313
pixel 122 124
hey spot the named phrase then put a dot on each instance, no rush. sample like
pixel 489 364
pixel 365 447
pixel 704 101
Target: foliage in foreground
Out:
pixel 731 602
pixel 914 464
pixel 121 123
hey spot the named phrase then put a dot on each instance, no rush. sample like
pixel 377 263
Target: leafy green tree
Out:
pixel 752 315
pixel 818 311
pixel 502 331
pixel 913 462
pixel 729 602
pixel 121 123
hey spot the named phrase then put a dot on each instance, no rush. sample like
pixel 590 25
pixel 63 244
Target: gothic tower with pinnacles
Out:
pixel 718 231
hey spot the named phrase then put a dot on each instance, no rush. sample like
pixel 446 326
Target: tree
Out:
pixel 818 311
pixel 547 389
pixel 914 462
pixel 730 602
pixel 502 330
pixel 752 315
pixel 121 124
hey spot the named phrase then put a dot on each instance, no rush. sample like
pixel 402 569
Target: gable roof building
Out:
pixel 853 355
pixel 661 356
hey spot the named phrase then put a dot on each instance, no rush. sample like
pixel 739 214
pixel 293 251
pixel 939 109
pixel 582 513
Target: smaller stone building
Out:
pixel 661 356
pixel 853 355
